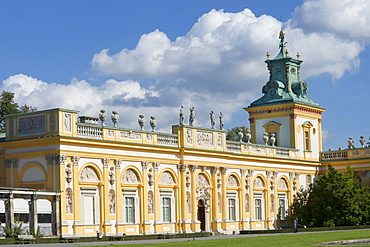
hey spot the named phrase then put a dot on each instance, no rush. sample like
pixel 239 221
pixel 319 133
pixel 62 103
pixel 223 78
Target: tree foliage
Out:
pixel 232 135
pixel 27 108
pixel 335 199
pixel 9 107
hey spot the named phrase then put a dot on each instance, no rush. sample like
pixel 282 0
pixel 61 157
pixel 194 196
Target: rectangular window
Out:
pixel 258 209
pixel 166 204
pixel 232 215
pixel 281 210
pixel 308 178
pixel 129 209
pixel 307 140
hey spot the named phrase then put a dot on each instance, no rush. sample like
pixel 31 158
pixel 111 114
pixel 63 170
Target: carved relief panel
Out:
pixel 130 177
pixel 31 126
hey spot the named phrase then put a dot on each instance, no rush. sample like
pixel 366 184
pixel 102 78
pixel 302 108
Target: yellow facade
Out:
pixel 116 180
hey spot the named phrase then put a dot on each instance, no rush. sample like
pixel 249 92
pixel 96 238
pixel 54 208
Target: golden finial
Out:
pixel 298 55
pixel 268 55
pixel 286 53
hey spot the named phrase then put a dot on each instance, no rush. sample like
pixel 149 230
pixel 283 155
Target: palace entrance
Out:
pixel 202 215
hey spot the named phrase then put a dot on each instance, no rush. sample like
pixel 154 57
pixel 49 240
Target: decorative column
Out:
pixel 182 199
pixel 56 214
pixel 216 223
pixel 52 181
pixel 33 213
pixel 250 183
pixel 104 197
pixel 224 197
pixel 194 204
pixel 268 200
pixel 156 199
pixel 274 195
pixel 9 211
pixel 144 199
pixel 119 206
pixel 242 199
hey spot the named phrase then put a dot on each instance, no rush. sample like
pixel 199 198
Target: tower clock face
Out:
pixel 272 92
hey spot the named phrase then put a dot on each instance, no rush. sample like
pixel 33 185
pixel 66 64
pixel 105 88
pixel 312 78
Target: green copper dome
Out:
pixel 284 85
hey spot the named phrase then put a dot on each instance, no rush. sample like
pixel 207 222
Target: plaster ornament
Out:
pixel 248 136
pixel 247 203
pixel 240 134
pixel 167 179
pixel 189 136
pixel 112 202
pixel 213 119
pixel 112 175
pixel 150 177
pixel 192 116
pixel 232 182
pixel 219 181
pixel 188 179
pixel 150 202
pixel 69 201
pixel 282 184
pixel 219 140
pixel 272 139
pixel 221 121
pixel 102 117
pixel 204 138
pixel 68 122
pixel 141 121
pixel 69 175
pixel 88 174
pixel 272 207
pixel 219 202
pixel 265 138
pixel 130 135
pixel 188 203
pixel 115 118
pixel 258 183
pixel 32 126
pixel 362 141
pixel 182 115
pixel 351 143
pixel 130 177
pixel 202 181
pixel 153 122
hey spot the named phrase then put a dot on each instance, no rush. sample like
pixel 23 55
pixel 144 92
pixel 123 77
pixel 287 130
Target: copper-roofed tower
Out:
pixel 285 109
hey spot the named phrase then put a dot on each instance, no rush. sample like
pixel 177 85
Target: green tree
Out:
pixel 7 107
pixel 27 108
pixel 335 199
pixel 232 135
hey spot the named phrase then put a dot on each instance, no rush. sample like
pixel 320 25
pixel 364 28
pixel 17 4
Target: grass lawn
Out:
pixel 286 240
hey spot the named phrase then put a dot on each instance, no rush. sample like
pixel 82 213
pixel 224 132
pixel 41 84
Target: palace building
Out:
pixel 92 178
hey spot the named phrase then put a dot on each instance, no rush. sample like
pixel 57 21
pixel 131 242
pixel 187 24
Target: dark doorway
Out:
pixel 202 215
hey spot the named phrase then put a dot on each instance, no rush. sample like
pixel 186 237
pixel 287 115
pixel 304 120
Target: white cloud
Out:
pixel 349 18
pixel 218 65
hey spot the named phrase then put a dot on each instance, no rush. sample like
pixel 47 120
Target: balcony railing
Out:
pixel 168 139
pixel 89 131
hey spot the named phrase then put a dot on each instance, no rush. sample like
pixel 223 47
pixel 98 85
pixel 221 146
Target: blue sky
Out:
pixel 150 57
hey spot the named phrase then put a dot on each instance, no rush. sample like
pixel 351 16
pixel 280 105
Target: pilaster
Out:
pixel 144 199
pixel 224 197
pixel 195 226
pixel 104 196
